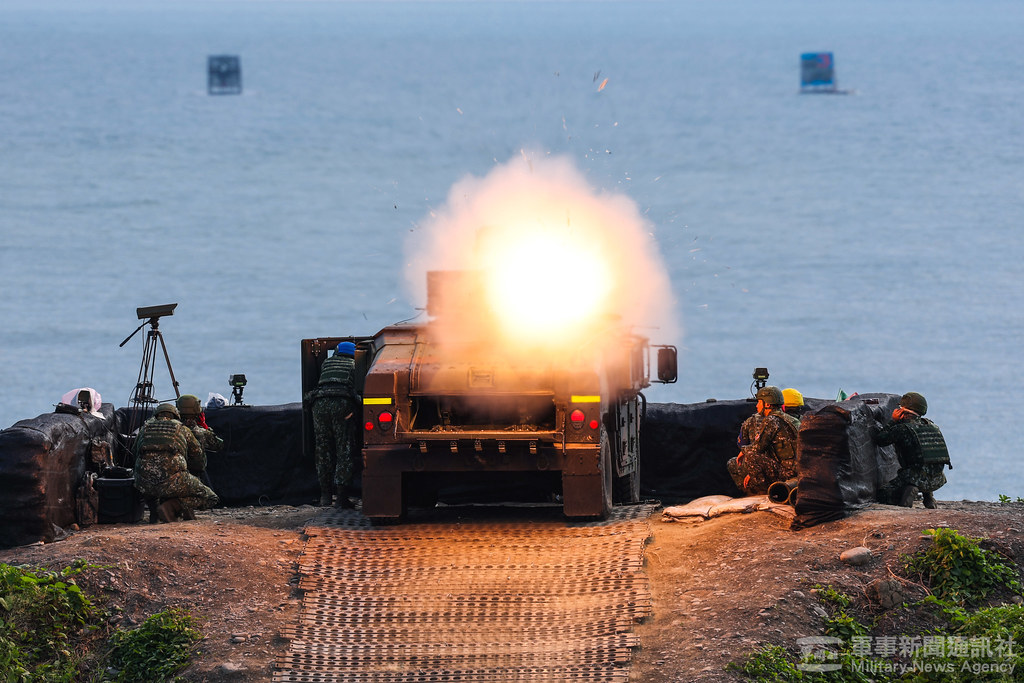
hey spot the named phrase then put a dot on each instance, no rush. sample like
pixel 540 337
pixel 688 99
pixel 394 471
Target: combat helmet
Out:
pixel 915 402
pixel 346 348
pixel 167 408
pixel 188 404
pixel 772 396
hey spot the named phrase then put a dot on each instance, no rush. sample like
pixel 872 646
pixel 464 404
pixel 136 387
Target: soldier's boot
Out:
pixel 169 510
pixel 929 500
pixel 342 501
pixel 152 503
pixel 908 496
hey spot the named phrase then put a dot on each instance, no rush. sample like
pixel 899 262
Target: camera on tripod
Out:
pixel 237 383
pixel 146 312
pixel 142 398
pixel 760 381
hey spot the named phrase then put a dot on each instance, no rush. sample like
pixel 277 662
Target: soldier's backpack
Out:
pixel 928 442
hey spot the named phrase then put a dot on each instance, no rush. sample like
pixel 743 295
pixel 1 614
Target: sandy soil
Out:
pixel 721 587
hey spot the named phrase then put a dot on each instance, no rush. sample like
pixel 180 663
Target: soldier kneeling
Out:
pixel 921 452
pixel 165 452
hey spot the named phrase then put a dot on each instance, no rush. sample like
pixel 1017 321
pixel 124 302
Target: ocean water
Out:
pixel 866 242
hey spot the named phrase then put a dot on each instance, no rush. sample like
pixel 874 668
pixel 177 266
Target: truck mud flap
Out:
pixel 587 482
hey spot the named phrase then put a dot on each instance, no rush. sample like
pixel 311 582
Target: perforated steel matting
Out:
pixel 483 600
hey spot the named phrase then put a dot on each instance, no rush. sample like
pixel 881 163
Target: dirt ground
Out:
pixel 721 587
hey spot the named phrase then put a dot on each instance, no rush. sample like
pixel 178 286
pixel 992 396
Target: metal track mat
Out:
pixel 525 597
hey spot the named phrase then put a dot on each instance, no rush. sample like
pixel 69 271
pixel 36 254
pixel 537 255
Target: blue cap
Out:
pixel 347 349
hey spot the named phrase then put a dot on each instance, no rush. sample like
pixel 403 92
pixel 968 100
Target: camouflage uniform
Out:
pixel 748 430
pixel 333 405
pixel 914 471
pixel 770 457
pixel 191 412
pixel 206 437
pixel 166 451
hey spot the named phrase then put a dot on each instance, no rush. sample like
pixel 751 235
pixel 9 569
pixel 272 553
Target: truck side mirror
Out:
pixel 667 372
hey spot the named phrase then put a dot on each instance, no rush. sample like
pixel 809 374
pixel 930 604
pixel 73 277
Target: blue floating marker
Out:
pixel 224 75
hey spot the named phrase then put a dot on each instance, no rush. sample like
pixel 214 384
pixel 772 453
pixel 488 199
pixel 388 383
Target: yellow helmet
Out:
pixel 792 398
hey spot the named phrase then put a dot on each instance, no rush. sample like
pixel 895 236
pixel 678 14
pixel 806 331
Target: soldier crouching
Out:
pixel 165 451
pixel 921 452
pixel 771 454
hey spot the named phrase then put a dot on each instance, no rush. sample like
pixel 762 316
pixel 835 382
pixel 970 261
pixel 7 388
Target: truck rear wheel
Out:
pixel 627 488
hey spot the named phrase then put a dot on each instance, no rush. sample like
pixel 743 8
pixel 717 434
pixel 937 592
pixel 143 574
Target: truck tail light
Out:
pixel 594 424
pixel 576 417
pixel 368 426
pixel 384 420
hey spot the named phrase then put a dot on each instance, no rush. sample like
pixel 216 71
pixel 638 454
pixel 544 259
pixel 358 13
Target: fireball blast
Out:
pixel 450 400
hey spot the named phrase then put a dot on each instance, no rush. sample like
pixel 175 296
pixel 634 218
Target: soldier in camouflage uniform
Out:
pixel 921 452
pixel 771 454
pixel 748 430
pixel 191 411
pixel 334 402
pixel 165 452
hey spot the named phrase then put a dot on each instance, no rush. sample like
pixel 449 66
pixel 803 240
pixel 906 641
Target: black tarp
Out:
pixel 822 450
pixel 685 448
pixel 42 461
pixel 262 461
pixel 839 466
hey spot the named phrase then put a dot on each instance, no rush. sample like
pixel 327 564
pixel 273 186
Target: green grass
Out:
pixel 957 568
pixel 979 642
pixel 52 632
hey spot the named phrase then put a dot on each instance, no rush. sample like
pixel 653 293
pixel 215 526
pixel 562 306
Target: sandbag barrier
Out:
pixel 469 601
pixel 42 464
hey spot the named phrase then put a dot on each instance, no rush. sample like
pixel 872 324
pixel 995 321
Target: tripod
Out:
pixel 142 396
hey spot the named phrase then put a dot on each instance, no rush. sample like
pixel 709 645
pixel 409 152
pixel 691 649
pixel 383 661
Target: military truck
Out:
pixel 437 413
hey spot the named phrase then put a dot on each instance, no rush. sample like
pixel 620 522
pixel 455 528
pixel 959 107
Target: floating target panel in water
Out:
pixel 224 75
pixel 817 72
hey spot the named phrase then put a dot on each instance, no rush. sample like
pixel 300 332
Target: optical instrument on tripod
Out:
pixel 760 380
pixel 237 383
pixel 142 396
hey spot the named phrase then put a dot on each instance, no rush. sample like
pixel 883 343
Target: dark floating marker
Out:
pixel 818 73
pixel 224 75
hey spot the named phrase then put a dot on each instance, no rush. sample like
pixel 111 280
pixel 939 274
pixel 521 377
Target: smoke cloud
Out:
pixel 554 262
